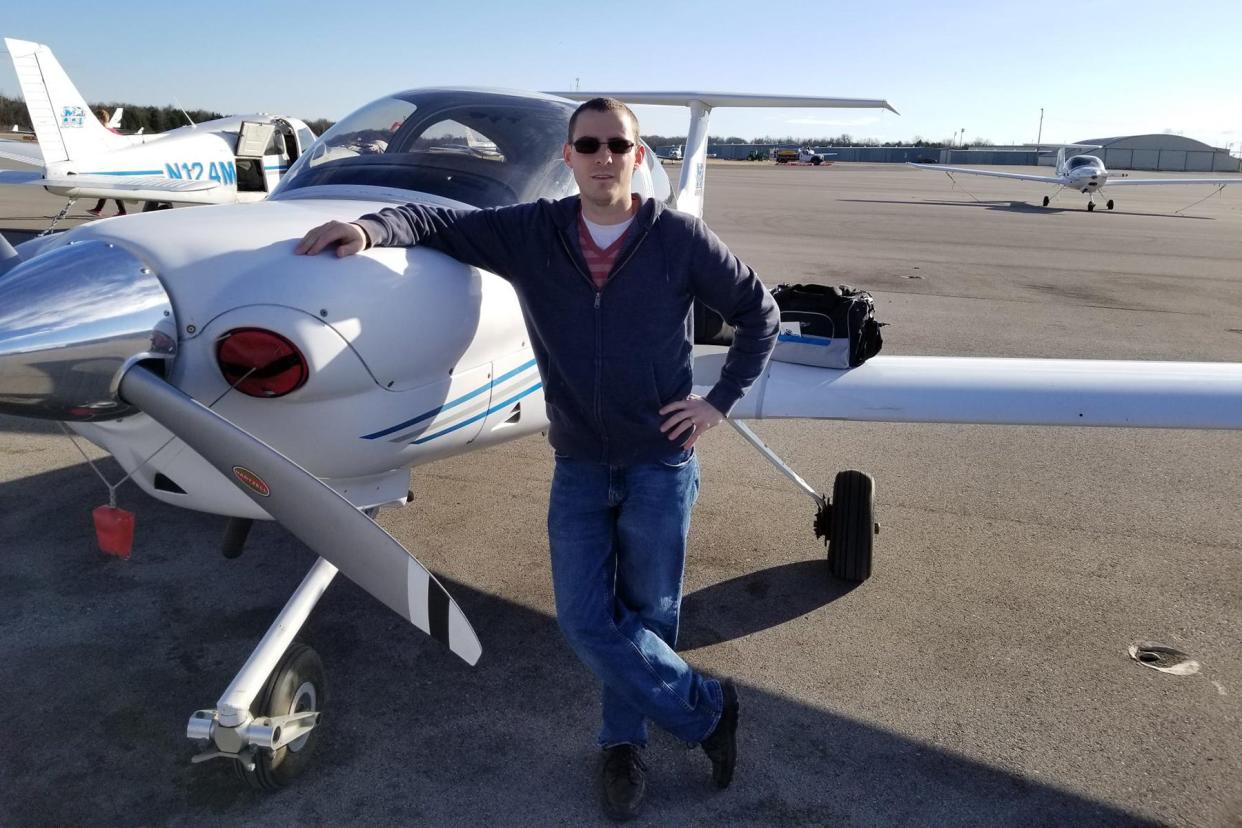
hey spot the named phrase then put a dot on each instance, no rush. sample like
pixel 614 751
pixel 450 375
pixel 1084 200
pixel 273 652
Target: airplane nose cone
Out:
pixel 71 322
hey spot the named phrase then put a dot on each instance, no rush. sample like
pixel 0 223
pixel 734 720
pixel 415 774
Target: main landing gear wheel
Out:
pixel 295 686
pixel 1046 200
pixel 848 525
pixel 1109 205
pixel 1090 206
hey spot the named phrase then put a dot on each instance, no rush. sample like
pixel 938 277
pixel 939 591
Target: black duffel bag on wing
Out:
pixel 828 327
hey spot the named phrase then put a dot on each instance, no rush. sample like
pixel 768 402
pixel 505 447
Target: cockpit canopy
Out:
pixel 1084 161
pixel 485 149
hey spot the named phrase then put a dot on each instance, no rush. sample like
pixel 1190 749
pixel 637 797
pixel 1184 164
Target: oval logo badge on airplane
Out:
pixel 251 481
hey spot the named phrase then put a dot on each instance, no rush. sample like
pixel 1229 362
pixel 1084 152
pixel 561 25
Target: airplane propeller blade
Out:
pixel 9 257
pixel 315 514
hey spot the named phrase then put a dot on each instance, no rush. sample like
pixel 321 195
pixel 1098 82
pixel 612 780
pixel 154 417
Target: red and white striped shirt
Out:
pixel 600 260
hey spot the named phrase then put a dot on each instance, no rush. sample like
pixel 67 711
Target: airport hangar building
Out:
pixel 1170 153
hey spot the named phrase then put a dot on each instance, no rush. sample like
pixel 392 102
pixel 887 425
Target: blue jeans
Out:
pixel 618 541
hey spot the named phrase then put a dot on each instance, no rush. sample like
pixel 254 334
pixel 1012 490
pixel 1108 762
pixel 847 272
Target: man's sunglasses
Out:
pixel 590 146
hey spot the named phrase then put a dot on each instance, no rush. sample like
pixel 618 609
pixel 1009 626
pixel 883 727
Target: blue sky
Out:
pixel 1109 67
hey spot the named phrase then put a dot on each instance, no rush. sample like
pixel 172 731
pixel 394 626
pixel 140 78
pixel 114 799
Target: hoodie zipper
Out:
pixel 598 405
pixel 599 344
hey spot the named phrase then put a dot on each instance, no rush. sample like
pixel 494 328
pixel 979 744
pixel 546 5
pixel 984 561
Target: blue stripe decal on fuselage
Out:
pixel 282 169
pixel 478 417
pixel 125 172
pixel 463 398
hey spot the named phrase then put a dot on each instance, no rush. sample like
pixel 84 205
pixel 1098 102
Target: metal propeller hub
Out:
pixel 72 320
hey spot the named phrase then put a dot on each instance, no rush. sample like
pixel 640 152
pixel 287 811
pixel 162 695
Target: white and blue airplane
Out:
pixel 1081 173
pixel 236 159
pixel 227 375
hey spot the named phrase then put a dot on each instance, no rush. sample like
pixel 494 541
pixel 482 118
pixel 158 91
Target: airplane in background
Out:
pixel 236 159
pixel 227 375
pixel 1083 173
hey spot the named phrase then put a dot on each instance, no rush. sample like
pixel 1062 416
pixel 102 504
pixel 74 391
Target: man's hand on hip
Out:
pixel 348 238
pixel 690 418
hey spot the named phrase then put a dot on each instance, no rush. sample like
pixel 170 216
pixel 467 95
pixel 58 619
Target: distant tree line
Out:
pixel 320 125
pixel 135 117
pixel 843 140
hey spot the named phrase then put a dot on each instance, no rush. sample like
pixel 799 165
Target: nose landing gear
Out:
pixel 294 688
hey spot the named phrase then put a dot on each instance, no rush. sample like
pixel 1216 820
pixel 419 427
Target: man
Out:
pixel 104 117
pixel 606 283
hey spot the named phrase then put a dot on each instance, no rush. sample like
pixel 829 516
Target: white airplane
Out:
pixel 236 159
pixel 227 375
pixel 1083 173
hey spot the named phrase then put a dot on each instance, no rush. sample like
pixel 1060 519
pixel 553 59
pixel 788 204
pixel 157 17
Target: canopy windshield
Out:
pixel 485 149
pixel 1084 161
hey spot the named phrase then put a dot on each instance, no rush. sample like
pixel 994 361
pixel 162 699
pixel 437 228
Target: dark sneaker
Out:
pixel 623 781
pixel 721 744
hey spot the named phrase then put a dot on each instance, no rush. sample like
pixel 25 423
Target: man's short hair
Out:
pixel 602 105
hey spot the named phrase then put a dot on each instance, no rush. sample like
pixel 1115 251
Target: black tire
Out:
pixel 296 685
pixel 817 160
pixel 1110 204
pixel 853 526
pixel 1046 200
pixel 1090 206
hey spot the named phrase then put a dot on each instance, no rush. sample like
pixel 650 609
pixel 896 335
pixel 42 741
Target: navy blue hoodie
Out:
pixel 609 358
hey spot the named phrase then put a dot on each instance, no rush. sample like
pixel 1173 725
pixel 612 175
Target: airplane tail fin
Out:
pixel 1074 149
pixel 694 158
pixel 63 122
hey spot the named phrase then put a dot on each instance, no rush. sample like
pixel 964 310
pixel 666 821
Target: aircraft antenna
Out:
pixel 183 112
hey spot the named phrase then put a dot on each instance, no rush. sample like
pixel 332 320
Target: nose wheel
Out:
pixel 295 686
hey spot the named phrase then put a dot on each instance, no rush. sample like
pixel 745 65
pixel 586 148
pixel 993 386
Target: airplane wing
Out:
pixel 1046 179
pixel 22 153
pixel 1065 392
pixel 738 99
pixel 133 188
pixel 19 176
pixel 1134 182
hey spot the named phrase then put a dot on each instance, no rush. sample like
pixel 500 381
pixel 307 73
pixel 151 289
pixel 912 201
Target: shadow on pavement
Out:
pixel 756 601
pixel 106 659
